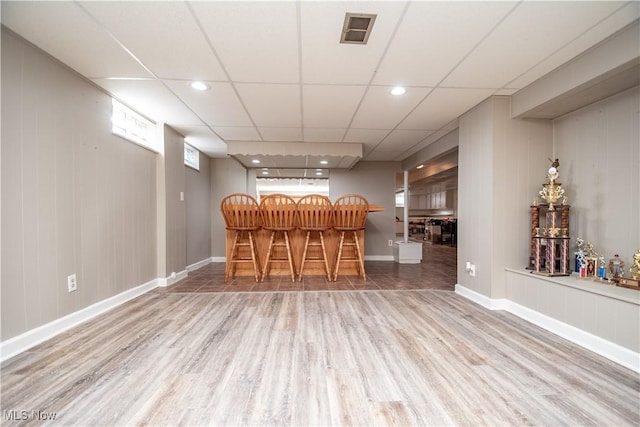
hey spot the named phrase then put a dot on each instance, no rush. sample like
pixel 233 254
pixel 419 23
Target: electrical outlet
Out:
pixel 72 283
pixel 390 242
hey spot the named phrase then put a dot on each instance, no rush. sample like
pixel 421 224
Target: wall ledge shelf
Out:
pixel 631 296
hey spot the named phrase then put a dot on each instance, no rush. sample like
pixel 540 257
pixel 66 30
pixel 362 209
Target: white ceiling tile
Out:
pixel 323 135
pixel 431 30
pixel 325 59
pixel 256 41
pixel 526 37
pixel 381 110
pixel 441 104
pixel 235 133
pixel 202 138
pixel 366 136
pixel 57 26
pixel 402 140
pixel 151 99
pixel 330 106
pixel 622 17
pixel 272 105
pixel 381 156
pixel 217 106
pixel 281 134
pixel 171 45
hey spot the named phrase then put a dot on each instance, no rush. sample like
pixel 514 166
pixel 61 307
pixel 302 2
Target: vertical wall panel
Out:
pixel 69 193
pixel 199 209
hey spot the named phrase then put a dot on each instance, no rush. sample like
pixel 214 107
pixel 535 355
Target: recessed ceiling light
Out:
pixel 199 85
pixel 265 172
pixel 324 162
pixel 318 173
pixel 256 161
pixel 398 90
pixel 419 166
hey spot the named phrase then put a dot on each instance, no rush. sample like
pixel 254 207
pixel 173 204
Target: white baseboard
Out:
pixel 612 351
pixel 218 259
pixel 25 341
pixel 199 264
pixel 173 278
pixel 378 258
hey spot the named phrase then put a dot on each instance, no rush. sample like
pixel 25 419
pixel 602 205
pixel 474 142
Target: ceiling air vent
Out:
pixel 357 27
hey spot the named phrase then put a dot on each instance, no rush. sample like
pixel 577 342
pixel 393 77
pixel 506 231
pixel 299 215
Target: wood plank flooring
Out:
pixel 436 271
pixel 404 357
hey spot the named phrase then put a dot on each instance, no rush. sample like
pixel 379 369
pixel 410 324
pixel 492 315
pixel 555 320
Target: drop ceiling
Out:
pixel 277 72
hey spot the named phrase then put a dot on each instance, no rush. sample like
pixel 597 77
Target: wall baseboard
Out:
pixel 175 277
pixel 612 351
pixel 199 264
pixel 218 259
pixel 378 258
pixel 25 341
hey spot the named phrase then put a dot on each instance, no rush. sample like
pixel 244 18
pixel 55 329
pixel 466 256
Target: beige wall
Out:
pixel 376 181
pixel 75 198
pixel 227 176
pixel 599 152
pixel 198 211
pixel 502 162
pixel 175 184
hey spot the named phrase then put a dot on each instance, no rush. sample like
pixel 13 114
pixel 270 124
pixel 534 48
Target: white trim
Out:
pixel 378 258
pixel 173 278
pixel 218 259
pixel 608 349
pixel 199 264
pixel 25 341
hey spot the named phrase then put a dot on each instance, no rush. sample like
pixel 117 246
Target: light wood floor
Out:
pixel 409 357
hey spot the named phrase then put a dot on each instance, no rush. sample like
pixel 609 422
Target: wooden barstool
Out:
pixel 278 216
pixel 315 214
pixel 241 213
pixel 350 214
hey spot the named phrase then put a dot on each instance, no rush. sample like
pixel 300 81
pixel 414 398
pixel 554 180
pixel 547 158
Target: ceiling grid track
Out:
pixel 224 70
pixel 147 69
pixel 369 83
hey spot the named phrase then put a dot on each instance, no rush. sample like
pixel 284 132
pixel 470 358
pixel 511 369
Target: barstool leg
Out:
pixel 304 256
pixel 254 257
pixel 360 259
pixel 289 256
pixel 324 254
pixel 231 258
pixel 335 273
pixel 265 270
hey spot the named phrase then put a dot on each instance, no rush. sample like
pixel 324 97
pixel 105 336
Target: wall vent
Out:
pixel 357 28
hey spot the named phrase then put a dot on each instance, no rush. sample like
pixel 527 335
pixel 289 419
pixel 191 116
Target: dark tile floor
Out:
pixel 437 271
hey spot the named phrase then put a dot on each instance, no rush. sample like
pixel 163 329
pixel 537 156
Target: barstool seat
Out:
pixel 241 214
pixel 278 216
pixel 350 215
pixel 315 214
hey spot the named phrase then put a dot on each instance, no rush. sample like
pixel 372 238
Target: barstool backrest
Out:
pixel 278 212
pixel 241 212
pixel 315 212
pixel 350 212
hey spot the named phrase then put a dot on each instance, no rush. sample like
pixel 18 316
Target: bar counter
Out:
pixel 297 239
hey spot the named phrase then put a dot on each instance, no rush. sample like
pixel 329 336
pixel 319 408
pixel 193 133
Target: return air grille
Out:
pixel 357 28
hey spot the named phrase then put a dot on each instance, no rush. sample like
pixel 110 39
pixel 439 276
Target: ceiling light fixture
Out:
pixel 419 166
pixel 199 85
pixel 318 173
pixel 256 161
pixel 265 172
pixel 398 90
pixel 324 162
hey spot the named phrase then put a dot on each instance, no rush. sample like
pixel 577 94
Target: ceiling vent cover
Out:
pixel 357 28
